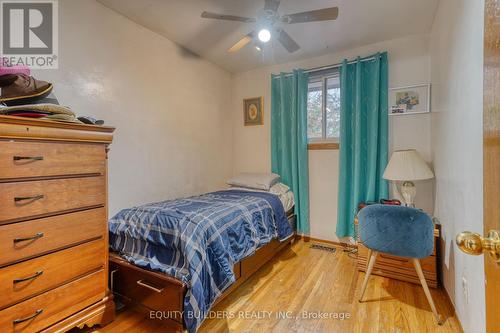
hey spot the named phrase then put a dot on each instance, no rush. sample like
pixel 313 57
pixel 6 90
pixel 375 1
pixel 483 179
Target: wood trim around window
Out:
pixel 323 146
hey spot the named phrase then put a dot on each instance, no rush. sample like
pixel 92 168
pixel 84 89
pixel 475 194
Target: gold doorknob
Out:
pixel 474 244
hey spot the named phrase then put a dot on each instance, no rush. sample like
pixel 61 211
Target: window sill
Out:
pixel 323 146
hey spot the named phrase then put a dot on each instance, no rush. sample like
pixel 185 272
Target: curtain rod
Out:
pixel 323 68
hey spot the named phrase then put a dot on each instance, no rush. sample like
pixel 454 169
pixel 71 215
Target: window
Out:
pixel 323 108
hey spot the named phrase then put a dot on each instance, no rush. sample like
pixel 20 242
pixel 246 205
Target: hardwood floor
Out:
pixel 317 282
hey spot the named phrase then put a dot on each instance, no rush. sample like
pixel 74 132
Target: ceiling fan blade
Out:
pixel 216 16
pixel 288 43
pixel 272 5
pixel 242 42
pixel 325 14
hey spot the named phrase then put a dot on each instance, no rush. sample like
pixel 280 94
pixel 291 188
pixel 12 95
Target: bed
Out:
pixel 182 256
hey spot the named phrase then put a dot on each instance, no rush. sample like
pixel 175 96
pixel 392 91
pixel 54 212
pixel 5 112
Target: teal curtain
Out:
pixel 363 137
pixel 289 156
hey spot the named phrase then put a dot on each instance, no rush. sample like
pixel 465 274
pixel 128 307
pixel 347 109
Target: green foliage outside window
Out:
pixel 316 112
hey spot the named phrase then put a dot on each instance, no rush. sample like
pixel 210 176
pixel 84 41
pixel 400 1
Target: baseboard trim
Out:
pixel 453 307
pixel 307 239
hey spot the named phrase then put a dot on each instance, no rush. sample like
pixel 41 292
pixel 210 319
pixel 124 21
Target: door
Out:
pixel 490 244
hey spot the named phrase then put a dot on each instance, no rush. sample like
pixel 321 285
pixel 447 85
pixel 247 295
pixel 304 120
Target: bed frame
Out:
pixel 147 291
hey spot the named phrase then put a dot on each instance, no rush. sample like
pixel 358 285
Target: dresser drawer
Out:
pixel 18 282
pixel 53 233
pixel 153 290
pixel 35 159
pixel 54 305
pixel 22 200
pixel 427 263
pixel 400 268
pixel 251 264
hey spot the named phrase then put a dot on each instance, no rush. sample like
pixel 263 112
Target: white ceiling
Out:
pixel 360 22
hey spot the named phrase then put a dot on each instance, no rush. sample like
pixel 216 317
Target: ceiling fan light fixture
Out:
pixel 264 35
pixel 266 20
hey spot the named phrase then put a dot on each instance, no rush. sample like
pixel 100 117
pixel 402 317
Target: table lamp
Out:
pixel 407 166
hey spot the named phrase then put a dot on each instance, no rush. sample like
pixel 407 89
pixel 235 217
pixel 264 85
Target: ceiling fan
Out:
pixel 267 22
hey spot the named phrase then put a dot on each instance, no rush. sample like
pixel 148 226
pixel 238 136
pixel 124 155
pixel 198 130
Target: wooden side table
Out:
pixel 401 268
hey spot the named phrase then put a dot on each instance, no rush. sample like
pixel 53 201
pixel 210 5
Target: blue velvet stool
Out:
pixel 399 231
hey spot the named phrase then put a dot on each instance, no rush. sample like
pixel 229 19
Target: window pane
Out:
pixel 333 108
pixel 314 114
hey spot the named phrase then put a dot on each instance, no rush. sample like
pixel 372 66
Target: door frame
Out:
pixel 491 154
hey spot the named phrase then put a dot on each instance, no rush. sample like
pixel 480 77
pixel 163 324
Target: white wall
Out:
pixel 408 64
pixel 170 109
pixel 457 77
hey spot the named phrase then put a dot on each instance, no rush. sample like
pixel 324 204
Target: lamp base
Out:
pixel 409 191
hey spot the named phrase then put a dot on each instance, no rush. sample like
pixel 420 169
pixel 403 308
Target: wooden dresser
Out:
pixel 401 268
pixel 53 226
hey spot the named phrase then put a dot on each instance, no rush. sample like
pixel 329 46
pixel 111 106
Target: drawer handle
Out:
pixel 28 158
pixel 24 239
pixel 34 276
pixel 112 279
pixel 21 320
pixel 150 287
pixel 32 198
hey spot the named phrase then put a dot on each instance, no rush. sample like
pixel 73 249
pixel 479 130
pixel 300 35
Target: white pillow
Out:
pixel 259 181
pixel 279 189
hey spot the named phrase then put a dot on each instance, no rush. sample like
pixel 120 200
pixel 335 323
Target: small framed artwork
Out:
pixel 253 111
pixel 410 100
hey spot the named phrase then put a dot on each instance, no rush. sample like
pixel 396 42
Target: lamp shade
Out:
pixel 407 165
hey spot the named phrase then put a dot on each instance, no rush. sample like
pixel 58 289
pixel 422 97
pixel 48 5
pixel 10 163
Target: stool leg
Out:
pixel 418 268
pixel 371 262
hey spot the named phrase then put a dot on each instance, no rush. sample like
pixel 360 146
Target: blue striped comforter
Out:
pixel 198 240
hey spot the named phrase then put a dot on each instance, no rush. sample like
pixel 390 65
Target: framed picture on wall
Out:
pixel 410 99
pixel 253 111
